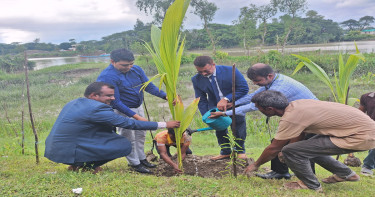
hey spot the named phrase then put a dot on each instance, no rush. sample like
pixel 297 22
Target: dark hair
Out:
pixel 96 87
pixel 171 131
pixel 270 98
pixel 202 61
pixel 259 71
pixel 122 55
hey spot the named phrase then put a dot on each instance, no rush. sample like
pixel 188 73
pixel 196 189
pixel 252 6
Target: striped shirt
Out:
pixel 292 90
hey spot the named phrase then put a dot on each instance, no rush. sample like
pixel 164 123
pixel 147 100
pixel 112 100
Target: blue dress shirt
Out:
pixel 127 88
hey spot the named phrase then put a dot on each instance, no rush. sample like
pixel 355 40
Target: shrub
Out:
pixel 220 55
pixel 13 63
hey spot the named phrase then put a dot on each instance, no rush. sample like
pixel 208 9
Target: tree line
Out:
pixel 255 26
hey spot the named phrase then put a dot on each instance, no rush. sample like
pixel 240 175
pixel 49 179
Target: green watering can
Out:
pixel 219 124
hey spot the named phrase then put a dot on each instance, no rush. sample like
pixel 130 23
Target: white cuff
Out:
pixel 162 125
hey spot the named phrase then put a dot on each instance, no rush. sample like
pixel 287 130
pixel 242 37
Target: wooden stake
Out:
pixel 30 111
pixel 234 116
pixel 23 118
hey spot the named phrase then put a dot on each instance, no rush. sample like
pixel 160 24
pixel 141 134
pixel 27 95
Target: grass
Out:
pixel 53 87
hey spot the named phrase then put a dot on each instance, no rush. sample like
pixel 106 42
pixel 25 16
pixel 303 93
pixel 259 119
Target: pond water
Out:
pixel 57 61
pixel 363 46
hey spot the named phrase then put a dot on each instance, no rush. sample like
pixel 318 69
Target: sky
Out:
pixel 57 21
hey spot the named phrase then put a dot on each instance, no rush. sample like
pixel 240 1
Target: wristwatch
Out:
pixel 227 99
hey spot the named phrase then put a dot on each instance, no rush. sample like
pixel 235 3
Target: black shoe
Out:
pixel 140 168
pixel 147 164
pixel 188 151
pixel 274 175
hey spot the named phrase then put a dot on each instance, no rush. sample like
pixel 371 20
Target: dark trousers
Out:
pixel 319 150
pixel 90 164
pixel 282 168
pixel 223 141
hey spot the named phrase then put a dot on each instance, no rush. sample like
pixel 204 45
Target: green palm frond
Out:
pixel 342 80
pixel 166 52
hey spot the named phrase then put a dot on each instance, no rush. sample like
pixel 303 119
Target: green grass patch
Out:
pixel 53 87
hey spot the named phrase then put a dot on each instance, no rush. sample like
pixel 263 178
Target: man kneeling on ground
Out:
pixel 340 129
pixel 165 139
pixel 83 135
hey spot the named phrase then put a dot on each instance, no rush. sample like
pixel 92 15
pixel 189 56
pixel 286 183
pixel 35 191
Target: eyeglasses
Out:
pixel 126 65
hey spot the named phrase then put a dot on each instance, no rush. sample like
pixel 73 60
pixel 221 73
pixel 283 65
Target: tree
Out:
pixel 246 25
pixel 158 7
pixel 72 41
pixel 206 11
pixel 65 45
pixel 312 14
pixel 365 22
pixel 351 24
pixel 36 41
pixel 264 13
pixel 292 8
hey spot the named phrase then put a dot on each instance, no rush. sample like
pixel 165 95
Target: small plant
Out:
pixel 342 78
pixel 233 156
pixel 368 78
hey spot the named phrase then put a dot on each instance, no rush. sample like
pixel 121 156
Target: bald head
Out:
pixel 259 70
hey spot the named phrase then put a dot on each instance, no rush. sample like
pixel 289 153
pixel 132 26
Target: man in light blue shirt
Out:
pixel 265 77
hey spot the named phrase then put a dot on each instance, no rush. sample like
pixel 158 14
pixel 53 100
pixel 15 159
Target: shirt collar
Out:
pixel 214 74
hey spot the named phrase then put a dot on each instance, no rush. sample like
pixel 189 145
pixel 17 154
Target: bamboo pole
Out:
pixel 23 118
pixel 234 116
pixel 30 110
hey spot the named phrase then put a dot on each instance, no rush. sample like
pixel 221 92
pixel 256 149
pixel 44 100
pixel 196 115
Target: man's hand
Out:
pixel 173 124
pixel 281 157
pixel 251 168
pixel 216 114
pixel 229 105
pixel 176 170
pixel 222 105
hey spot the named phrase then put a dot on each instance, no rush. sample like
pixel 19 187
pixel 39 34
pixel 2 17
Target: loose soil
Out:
pixel 202 166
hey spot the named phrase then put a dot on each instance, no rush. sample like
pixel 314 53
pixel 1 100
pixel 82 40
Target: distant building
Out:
pixel 73 47
pixel 368 31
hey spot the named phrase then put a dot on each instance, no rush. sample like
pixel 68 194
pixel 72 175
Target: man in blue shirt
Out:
pixel 82 135
pixel 264 76
pixel 213 84
pixel 128 79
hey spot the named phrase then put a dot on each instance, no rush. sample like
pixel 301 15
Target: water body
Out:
pixel 57 61
pixel 343 47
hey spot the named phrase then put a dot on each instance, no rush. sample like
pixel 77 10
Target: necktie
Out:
pixel 215 88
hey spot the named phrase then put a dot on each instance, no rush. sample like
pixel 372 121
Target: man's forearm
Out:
pixel 267 155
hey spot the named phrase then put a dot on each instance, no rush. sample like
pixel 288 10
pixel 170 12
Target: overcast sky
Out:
pixel 58 21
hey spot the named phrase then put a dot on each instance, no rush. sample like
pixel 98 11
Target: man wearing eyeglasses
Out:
pixel 213 84
pixel 128 79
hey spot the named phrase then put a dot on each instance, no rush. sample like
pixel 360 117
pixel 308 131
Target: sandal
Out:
pixel 335 179
pixel 295 185
pixel 299 185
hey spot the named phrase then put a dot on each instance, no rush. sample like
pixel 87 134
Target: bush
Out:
pixel 187 59
pixel 13 63
pixel 220 55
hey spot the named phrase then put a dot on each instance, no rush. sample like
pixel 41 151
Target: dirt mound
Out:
pixel 202 166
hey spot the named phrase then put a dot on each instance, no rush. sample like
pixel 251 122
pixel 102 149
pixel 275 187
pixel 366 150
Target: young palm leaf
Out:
pixel 342 81
pixel 166 52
